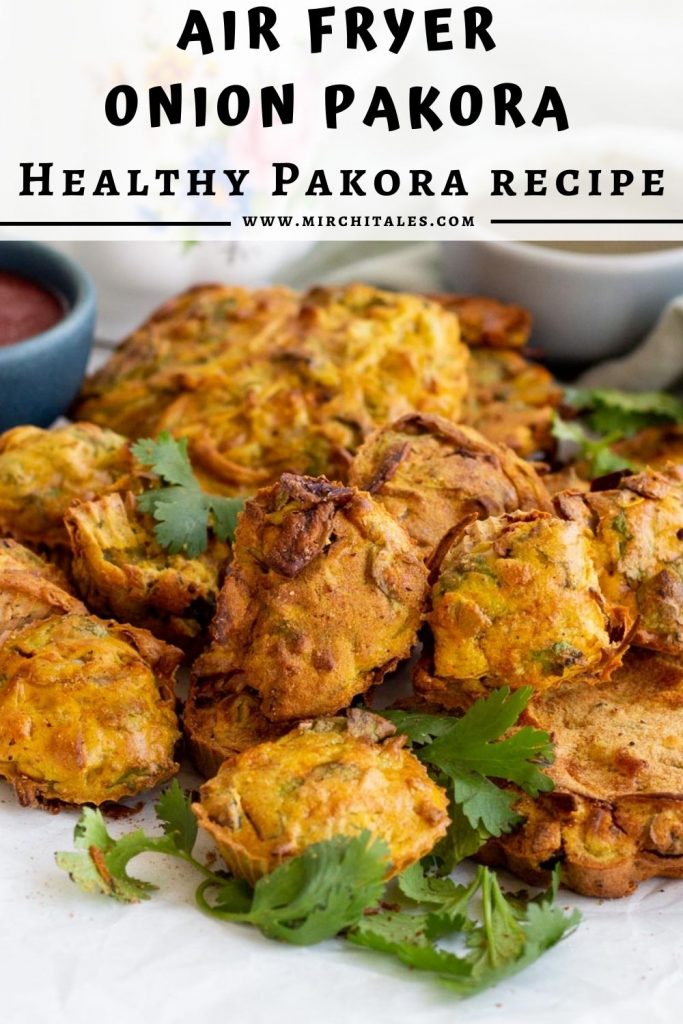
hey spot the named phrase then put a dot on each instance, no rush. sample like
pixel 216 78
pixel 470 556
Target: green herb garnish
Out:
pixel 607 416
pixel 467 753
pixel 182 510
pixel 336 887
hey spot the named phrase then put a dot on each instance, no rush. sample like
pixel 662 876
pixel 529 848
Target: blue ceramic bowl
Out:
pixel 39 377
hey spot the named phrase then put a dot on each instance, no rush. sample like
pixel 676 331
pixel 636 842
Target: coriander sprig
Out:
pixel 182 510
pixel 336 887
pixel 467 753
pixel 606 416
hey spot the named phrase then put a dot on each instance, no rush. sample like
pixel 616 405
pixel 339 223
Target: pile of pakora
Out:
pixel 406 507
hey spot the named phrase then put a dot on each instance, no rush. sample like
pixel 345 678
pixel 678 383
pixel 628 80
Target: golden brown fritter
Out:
pixel 205 334
pixel 637 523
pixel 517 602
pixel 221 723
pixel 324 779
pixel 486 322
pixel 323 597
pixel 43 471
pixel 122 571
pixel 653 447
pixel 259 391
pixel 86 711
pixel 30 588
pixel 616 814
pixel 433 476
pixel 511 400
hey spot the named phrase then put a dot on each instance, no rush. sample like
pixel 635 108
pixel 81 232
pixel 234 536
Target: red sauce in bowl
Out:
pixel 26 308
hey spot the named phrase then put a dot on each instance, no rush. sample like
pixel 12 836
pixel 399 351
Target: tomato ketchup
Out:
pixel 26 308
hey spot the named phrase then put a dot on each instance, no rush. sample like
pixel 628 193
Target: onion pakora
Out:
pixel 512 400
pixel 121 570
pixel 298 394
pixel 432 476
pixel 323 597
pixel 323 779
pixel 653 447
pixel 486 322
pixel 615 816
pixel 30 588
pixel 43 471
pixel 218 725
pixel 518 602
pixel 637 525
pixel 204 335
pixel 86 711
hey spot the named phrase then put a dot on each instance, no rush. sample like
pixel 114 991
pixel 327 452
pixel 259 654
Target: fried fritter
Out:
pixel 486 322
pixel 323 597
pixel 432 476
pixel 324 779
pixel 259 391
pixel 511 401
pixel 86 711
pixel 43 471
pixel 616 814
pixel 637 525
pixel 205 334
pixel 517 602
pixel 219 725
pixel 122 571
pixel 653 447
pixel 30 588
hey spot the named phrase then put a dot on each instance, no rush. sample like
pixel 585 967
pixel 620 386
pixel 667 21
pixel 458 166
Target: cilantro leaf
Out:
pixel 310 897
pixel 608 411
pixel 509 935
pixel 174 811
pixel 100 862
pixel 167 457
pixel 596 452
pixel 182 510
pixel 469 752
pixel 417 726
pixel 606 416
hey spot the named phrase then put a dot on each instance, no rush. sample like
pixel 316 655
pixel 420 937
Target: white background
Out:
pixel 67 957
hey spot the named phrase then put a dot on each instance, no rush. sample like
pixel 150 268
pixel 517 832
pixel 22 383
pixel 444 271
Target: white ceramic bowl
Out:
pixel 585 306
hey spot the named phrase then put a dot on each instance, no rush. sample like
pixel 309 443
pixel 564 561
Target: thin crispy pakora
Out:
pixel 433 476
pixel 486 322
pixel 512 400
pixel 295 392
pixel 323 597
pixel 616 814
pixel 637 525
pixel 30 588
pixel 86 711
pixel 43 471
pixel 121 570
pixel 324 779
pixel 517 602
pixel 219 723
pixel 653 447
pixel 205 334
